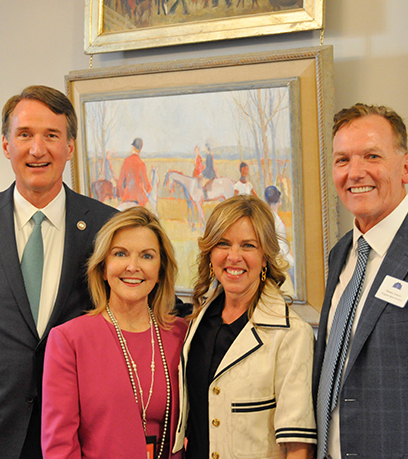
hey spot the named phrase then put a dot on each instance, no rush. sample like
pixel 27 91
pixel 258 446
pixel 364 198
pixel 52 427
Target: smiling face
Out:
pixel 368 172
pixel 132 266
pixel 38 149
pixel 237 260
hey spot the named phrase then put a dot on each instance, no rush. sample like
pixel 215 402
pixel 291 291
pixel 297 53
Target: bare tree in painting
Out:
pixel 259 108
pixel 101 122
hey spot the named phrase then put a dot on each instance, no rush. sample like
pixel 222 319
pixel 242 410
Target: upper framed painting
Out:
pixel 187 132
pixel 119 25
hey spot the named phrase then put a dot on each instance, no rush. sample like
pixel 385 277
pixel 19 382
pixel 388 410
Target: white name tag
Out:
pixel 394 291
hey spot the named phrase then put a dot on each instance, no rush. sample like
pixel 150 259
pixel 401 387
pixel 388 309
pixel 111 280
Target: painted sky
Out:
pixel 176 123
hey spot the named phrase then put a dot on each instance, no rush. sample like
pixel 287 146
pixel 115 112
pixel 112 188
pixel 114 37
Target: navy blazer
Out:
pixel 374 397
pixel 21 349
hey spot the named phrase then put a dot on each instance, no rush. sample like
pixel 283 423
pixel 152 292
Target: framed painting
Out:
pixel 118 25
pixel 192 133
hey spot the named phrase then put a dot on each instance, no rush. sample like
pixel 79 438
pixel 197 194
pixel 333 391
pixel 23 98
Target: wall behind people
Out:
pixel 40 42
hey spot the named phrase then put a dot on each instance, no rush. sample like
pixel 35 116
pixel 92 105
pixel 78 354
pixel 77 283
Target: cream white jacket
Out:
pixel 261 393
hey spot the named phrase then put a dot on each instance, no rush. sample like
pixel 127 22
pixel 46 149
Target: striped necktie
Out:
pixel 32 265
pixel 337 346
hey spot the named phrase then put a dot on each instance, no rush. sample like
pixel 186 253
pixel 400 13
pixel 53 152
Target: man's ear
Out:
pixel 71 149
pixel 405 170
pixel 5 144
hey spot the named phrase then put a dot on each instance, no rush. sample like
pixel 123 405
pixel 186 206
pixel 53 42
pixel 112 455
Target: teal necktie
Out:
pixel 32 265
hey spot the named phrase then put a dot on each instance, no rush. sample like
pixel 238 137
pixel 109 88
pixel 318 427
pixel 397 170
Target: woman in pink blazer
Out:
pixel 110 378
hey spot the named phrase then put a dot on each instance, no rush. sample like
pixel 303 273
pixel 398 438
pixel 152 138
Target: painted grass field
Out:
pixel 172 209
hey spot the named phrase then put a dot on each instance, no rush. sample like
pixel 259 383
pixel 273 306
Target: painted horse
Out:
pixel 218 189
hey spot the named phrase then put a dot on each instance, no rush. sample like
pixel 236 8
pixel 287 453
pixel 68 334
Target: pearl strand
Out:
pixel 168 388
pixel 128 355
pixel 129 361
pixel 122 345
pixel 152 368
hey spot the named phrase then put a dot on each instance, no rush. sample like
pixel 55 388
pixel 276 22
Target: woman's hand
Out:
pixel 299 450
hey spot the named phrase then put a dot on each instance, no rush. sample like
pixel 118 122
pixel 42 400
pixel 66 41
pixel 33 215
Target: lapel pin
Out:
pixel 81 225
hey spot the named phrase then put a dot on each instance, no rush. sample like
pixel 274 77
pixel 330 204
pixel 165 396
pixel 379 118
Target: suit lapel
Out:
pixel 337 261
pixel 246 343
pixel 189 337
pixel 10 260
pixel 395 264
pixel 77 233
pixel 248 340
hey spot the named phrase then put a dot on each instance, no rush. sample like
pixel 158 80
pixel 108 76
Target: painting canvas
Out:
pixel 181 154
pixel 118 25
pixel 180 136
pixel 123 15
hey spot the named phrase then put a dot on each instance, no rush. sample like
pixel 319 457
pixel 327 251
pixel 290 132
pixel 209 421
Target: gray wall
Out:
pixel 40 42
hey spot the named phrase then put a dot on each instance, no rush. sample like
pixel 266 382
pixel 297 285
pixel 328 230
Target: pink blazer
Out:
pixel 89 410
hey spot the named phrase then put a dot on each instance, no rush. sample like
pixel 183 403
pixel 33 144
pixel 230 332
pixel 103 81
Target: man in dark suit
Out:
pixel 370 170
pixel 39 128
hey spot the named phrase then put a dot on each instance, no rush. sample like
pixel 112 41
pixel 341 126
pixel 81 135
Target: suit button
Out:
pixel 216 390
pixel 215 422
pixel 215 456
pixel 30 399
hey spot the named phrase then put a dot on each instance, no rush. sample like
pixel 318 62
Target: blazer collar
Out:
pixel 395 264
pixel 10 259
pixel 78 226
pixel 271 312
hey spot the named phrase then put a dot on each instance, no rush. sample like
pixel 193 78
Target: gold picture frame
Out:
pixel 308 73
pixel 109 26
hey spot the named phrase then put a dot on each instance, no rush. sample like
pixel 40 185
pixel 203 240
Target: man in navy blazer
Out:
pixel 370 170
pixel 39 128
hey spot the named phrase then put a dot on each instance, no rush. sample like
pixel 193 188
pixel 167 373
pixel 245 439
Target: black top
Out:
pixel 210 343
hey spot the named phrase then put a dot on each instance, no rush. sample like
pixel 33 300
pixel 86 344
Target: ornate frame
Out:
pixel 99 40
pixel 311 68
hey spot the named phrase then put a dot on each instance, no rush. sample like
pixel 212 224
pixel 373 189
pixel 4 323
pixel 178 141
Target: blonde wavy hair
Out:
pixel 162 297
pixel 222 218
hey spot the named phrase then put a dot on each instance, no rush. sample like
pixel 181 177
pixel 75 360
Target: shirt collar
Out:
pixel 382 234
pixel 54 211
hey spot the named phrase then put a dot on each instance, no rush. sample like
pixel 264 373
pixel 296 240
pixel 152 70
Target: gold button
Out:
pixel 216 390
pixel 215 455
pixel 215 422
pixel 81 225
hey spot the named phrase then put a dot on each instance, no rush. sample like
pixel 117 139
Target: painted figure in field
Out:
pixel 109 174
pixel 209 171
pixel 198 165
pixel 227 2
pixel 208 174
pixel 273 198
pixel 133 182
pixel 175 5
pixel 243 186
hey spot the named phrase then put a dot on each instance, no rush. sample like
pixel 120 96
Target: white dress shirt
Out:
pixel 53 233
pixel 380 238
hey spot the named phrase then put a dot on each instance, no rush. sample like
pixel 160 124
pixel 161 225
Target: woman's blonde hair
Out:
pixel 222 218
pixel 162 297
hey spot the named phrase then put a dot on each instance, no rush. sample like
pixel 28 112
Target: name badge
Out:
pixel 394 291
pixel 151 442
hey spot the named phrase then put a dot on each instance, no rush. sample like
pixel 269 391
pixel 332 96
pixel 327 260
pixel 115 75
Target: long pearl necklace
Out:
pixel 131 364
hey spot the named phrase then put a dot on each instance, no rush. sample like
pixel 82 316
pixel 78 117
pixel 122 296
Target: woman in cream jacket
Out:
pixel 245 371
